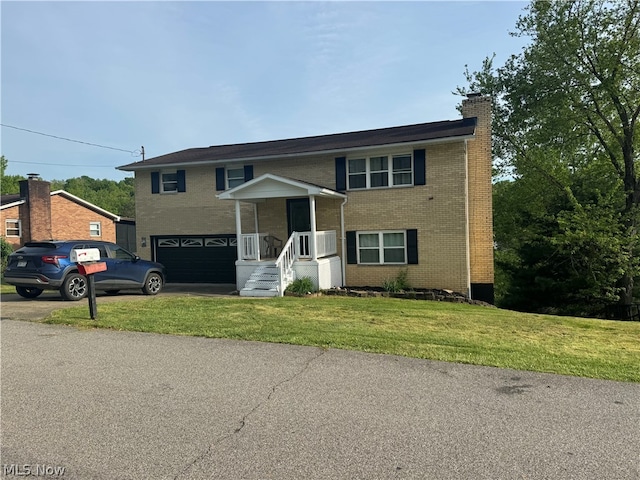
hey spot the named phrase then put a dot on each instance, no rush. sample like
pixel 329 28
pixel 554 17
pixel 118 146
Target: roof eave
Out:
pixel 12 204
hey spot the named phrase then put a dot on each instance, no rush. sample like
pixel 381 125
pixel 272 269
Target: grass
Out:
pixel 422 329
pixel 5 288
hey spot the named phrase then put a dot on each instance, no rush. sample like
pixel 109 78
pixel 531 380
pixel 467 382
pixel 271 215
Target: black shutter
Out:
pixel 352 251
pixel 419 167
pixel 182 182
pixel 248 173
pixel 220 178
pixel 412 247
pixel 341 174
pixel 155 182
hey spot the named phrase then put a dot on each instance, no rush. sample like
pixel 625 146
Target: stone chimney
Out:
pixel 36 214
pixel 480 200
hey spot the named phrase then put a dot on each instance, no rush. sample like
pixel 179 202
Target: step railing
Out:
pixel 284 263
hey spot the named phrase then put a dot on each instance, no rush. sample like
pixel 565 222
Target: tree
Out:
pixel 8 183
pixel 116 197
pixel 566 113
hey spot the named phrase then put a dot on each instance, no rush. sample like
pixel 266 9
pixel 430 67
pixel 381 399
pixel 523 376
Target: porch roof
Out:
pixel 274 186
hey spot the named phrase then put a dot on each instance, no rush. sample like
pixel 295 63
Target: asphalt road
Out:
pixel 122 405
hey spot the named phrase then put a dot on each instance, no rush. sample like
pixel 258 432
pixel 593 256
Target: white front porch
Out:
pixel 266 265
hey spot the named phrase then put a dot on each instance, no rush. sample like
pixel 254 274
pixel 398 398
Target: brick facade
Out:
pixel 69 220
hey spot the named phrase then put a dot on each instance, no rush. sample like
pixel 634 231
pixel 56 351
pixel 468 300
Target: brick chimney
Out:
pixel 480 201
pixel 36 214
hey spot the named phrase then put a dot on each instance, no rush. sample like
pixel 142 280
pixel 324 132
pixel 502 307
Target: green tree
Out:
pixel 566 133
pixel 115 197
pixel 8 183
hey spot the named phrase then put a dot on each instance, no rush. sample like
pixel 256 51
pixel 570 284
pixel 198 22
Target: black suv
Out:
pixel 39 266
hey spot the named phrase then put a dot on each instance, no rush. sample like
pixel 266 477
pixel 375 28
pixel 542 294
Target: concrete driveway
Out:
pixel 122 405
pixel 14 307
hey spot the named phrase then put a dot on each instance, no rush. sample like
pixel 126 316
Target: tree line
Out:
pixel 115 197
pixel 566 143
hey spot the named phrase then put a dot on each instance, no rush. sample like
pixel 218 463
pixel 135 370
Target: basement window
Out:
pixel 382 248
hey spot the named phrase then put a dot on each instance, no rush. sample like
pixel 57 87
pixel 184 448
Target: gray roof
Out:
pixel 309 145
pixel 9 198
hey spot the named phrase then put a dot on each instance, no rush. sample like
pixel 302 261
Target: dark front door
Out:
pixel 298 216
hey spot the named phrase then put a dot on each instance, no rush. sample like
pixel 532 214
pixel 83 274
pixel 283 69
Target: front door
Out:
pixel 298 216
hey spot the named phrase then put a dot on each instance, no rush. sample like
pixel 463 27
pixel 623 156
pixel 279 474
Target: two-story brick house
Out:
pixel 344 209
pixel 37 213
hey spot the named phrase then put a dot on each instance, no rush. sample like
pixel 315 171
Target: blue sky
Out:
pixel 175 75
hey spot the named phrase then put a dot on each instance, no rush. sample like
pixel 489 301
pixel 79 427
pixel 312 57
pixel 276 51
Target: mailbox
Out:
pixel 85 255
pixel 91 268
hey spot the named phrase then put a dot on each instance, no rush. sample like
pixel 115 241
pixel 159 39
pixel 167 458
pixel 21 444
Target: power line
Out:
pixel 62 164
pixel 132 152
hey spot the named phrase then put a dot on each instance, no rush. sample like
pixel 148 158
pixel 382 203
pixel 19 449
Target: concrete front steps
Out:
pixel 263 282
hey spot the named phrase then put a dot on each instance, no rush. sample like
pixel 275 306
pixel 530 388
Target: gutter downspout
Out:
pixel 343 257
pixel 466 216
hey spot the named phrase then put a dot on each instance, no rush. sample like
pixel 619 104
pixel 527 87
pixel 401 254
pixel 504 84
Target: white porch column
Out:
pixel 255 216
pixel 239 229
pixel 312 217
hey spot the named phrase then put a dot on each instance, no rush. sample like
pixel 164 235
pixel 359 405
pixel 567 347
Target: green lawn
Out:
pixel 4 288
pixel 422 329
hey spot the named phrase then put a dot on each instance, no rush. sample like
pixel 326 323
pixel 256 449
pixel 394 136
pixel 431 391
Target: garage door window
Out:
pixel 215 242
pixel 192 242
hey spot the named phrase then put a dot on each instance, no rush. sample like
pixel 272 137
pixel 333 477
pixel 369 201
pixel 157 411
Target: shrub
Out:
pixel 301 286
pixel 398 284
pixel 5 250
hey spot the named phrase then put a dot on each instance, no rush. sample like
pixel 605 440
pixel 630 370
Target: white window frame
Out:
pixel 381 247
pixel 237 180
pixel 391 172
pixel 92 229
pixel 17 225
pixel 169 186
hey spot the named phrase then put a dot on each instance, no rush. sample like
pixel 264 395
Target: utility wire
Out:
pixel 62 164
pixel 132 152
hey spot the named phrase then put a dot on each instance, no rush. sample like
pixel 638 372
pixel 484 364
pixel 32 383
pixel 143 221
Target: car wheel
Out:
pixel 74 287
pixel 111 292
pixel 153 284
pixel 28 292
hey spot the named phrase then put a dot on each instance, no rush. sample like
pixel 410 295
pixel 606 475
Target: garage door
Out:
pixel 197 259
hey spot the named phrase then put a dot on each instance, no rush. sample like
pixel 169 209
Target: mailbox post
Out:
pixel 88 261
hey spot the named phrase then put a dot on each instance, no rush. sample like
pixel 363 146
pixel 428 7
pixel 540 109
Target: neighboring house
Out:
pixel 37 213
pixel 347 209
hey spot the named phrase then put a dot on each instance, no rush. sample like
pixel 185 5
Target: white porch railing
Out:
pixel 326 244
pixel 285 262
pixel 253 244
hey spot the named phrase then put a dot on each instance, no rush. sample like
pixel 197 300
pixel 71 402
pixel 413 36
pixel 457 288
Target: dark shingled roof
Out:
pixel 9 198
pixel 309 145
